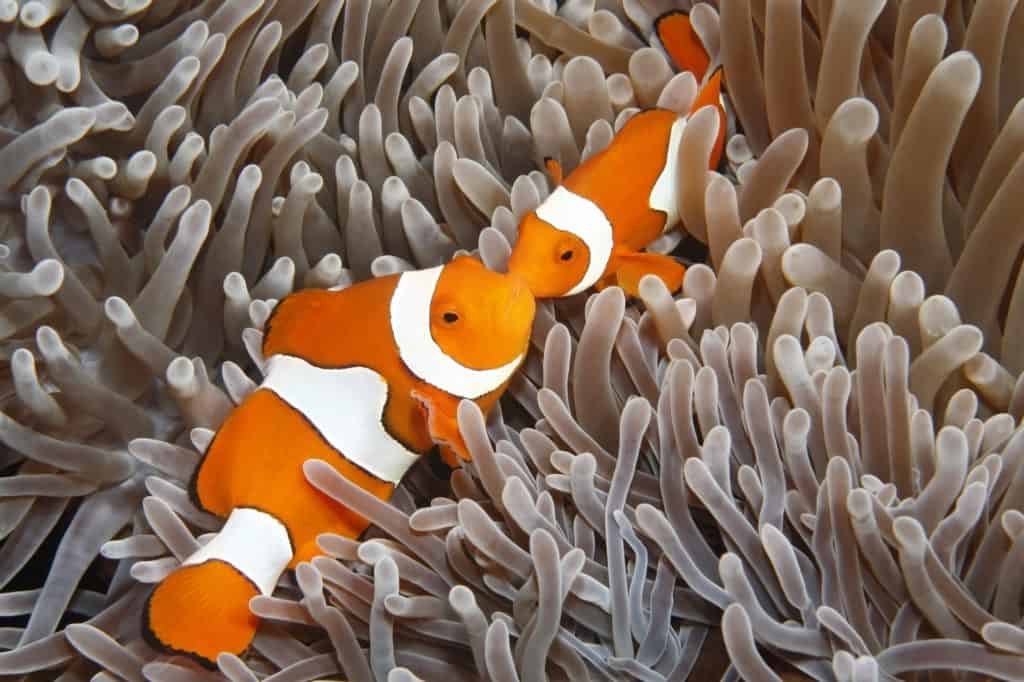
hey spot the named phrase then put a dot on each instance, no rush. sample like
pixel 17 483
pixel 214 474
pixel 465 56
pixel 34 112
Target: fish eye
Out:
pixel 450 317
pixel 566 255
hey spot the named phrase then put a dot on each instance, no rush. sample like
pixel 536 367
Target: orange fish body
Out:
pixel 590 231
pixel 368 378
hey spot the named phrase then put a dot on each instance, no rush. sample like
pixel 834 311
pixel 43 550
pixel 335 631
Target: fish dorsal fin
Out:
pixel 712 93
pixel 345 405
pixel 711 89
pixel 665 192
pixel 680 40
pixel 554 169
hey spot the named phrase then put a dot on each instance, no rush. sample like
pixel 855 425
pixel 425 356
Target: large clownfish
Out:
pixel 368 378
pixel 592 228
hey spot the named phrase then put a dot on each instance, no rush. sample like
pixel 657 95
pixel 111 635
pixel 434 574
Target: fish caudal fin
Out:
pixel 682 43
pixel 201 611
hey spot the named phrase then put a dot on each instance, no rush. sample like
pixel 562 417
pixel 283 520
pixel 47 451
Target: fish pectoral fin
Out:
pixel 445 432
pixel 554 169
pixel 634 266
pixel 442 422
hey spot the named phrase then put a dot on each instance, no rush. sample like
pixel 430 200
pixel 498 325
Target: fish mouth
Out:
pixel 520 298
pixel 518 267
pixel 519 284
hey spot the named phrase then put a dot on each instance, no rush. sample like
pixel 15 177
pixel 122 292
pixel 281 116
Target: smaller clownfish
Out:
pixel 368 378
pixel 590 231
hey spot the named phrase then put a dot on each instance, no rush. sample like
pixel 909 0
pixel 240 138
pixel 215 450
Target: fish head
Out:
pixel 552 261
pixel 480 318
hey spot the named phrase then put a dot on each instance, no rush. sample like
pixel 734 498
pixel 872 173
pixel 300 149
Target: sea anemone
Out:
pixel 806 464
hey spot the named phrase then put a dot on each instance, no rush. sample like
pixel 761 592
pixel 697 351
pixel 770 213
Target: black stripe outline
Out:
pixel 193 491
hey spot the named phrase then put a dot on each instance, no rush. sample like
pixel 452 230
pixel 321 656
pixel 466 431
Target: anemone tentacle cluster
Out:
pixel 806 464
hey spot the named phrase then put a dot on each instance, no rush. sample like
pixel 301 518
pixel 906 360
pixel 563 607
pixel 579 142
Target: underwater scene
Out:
pixel 511 340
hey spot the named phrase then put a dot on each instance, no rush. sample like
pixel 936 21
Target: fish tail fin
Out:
pixel 200 611
pixel 710 94
pixel 711 89
pixel 291 317
pixel 680 40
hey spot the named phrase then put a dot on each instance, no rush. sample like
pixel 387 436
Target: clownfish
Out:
pixel 590 231
pixel 368 378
